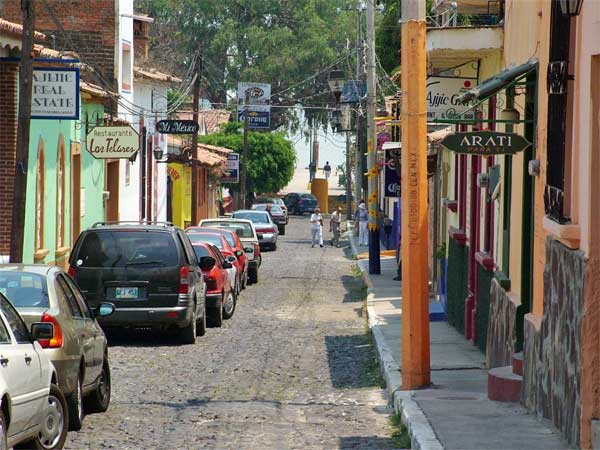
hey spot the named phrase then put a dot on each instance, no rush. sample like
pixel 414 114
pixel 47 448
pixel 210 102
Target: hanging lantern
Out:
pixel 571 8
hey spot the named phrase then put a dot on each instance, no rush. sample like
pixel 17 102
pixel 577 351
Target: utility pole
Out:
pixel 358 162
pixel 373 171
pixel 416 370
pixel 196 100
pixel 243 173
pixel 348 178
pixel 22 150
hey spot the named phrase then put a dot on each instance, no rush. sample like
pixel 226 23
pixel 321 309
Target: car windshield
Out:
pixel 234 226
pixel 309 197
pixel 279 201
pixel 127 248
pixel 24 289
pixel 214 239
pixel 254 217
pixel 274 208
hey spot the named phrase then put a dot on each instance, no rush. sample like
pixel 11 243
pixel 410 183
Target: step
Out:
pixel 517 363
pixel 504 385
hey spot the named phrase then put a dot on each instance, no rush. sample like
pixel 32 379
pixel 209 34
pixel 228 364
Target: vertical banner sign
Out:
pixel 55 93
pixel 392 181
pixel 259 110
pixel 232 172
pixel 442 97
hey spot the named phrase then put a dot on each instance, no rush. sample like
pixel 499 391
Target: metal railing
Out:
pixel 447 14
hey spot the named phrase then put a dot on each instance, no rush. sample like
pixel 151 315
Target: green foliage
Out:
pixel 400 435
pixel 387 38
pixel 271 157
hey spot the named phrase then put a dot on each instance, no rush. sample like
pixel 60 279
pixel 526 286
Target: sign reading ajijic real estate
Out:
pixel 232 172
pixel 177 127
pixel 486 143
pixel 113 142
pixel 55 93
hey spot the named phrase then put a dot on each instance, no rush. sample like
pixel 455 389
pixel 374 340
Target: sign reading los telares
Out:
pixel 485 143
pixel 113 142
pixel 177 127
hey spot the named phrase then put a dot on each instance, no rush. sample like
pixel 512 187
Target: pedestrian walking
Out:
pixel 316 227
pixel 334 226
pixel 327 170
pixel 361 216
pixel 387 230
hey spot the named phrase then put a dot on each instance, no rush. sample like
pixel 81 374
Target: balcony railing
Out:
pixel 448 14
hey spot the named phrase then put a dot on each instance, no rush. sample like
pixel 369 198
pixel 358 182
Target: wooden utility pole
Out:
pixel 195 107
pixel 415 261
pixel 348 178
pixel 22 150
pixel 359 121
pixel 372 171
pixel 244 167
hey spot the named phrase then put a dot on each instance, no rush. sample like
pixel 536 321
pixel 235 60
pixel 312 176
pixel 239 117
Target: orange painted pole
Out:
pixel 415 263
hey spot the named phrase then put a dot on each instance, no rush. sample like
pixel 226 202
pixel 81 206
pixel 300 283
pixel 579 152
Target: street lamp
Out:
pixel 158 153
pixel 336 83
pixel 571 8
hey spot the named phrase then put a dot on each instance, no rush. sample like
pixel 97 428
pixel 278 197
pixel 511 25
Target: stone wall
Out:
pixel 501 327
pixel 552 353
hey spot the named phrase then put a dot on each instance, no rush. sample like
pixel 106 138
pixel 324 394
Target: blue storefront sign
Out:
pixel 258 118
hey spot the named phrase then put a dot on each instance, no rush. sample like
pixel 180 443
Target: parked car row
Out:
pixel 54 362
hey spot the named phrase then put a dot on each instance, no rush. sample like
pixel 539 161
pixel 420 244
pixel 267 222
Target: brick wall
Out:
pixel 8 144
pixel 89 29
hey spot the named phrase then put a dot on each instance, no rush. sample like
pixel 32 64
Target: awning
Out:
pixel 492 85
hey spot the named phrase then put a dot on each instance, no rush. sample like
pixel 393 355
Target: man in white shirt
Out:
pixel 334 226
pixel 316 227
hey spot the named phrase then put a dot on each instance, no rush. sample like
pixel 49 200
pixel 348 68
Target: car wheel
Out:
pixel 201 323
pixel 281 230
pixel 215 316
pixel 55 423
pixel 229 305
pixel 187 335
pixel 245 280
pixel 274 246
pixel 75 405
pixel 3 432
pixel 253 276
pixel 99 399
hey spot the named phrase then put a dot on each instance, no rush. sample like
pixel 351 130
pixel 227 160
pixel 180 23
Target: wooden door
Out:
pixel 112 186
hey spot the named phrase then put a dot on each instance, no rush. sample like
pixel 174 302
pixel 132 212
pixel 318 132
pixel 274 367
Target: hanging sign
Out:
pixel 177 127
pixel 442 97
pixel 486 143
pixel 55 93
pixel 391 178
pixel 232 172
pixel 113 142
pixel 259 117
pixel 258 108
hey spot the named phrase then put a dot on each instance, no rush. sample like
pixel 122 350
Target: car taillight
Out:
pixel 184 283
pixel 57 339
pixel 72 271
pixel 211 283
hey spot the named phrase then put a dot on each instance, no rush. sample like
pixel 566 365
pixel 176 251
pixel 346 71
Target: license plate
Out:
pixel 126 292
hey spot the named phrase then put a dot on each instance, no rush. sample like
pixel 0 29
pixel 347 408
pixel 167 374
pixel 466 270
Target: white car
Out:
pixel 33 410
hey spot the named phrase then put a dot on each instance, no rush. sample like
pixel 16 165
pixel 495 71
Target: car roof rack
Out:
pixel 133 222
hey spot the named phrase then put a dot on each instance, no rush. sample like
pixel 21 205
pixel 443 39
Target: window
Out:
pixel 15 322
pixel 63 291
pixel 127 69
pixel 83 306
pixel 39 197
pixel 24 289
pixel 4 335
pixel 60 194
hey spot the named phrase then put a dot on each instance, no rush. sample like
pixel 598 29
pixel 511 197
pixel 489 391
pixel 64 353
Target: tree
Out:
pixel 271 157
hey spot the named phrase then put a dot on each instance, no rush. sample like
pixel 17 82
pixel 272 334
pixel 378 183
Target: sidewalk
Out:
pixel 455 412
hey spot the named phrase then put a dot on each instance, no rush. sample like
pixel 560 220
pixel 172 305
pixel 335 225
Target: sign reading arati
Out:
pixel 177 127
pixel 232 173
pixel 113 142
pixel 55 93
pixel 485 143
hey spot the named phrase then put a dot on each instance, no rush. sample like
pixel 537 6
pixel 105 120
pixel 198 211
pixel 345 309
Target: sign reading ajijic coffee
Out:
pixel 55 93
pixel 177 127
pixel 113 142
pixel 485 143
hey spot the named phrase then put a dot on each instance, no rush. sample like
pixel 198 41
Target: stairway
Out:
pixel 504 383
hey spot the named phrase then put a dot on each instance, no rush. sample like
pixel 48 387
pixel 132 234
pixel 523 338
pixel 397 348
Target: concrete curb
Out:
pixel 421 432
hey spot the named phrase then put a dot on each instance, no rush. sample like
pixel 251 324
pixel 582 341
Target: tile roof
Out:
pixel 95 90
pixel 155 75
pixel 208 155
pixel 212 118
pixel 16 29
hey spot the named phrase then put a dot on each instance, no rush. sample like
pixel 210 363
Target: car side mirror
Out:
pixel 249 250
pixel 42 330
pixel 239 253
pixel 227 265
pixel 207 262
pixel 231 259
pixel 105 309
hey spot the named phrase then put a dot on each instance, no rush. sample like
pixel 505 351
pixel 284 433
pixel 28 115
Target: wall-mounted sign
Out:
pixel 485 143
pixel 113 142
pixel 177 127
pixel 55 93
pixel 232 172
pixel 442 97
pixel 391 178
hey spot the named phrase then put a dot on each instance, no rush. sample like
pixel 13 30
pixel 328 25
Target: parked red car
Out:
pixel 220 297
pixel 235 243
pixel 219 241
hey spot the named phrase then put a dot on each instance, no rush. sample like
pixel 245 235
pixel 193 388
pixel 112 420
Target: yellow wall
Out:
pixel 182 194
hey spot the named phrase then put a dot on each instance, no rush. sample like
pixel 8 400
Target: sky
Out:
pixel 331 148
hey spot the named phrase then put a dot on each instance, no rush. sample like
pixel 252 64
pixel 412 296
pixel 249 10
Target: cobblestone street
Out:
pixel 294 368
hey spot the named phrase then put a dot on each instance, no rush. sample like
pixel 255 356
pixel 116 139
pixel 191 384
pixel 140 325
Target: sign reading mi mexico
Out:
pixel 55 93
pixel 177 127
pixel 487 143
pixel 113 142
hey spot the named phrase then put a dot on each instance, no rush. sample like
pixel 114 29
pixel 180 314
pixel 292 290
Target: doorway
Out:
pixel 75 191
pixel 112 187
